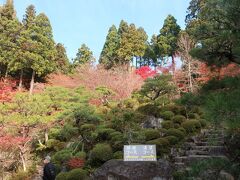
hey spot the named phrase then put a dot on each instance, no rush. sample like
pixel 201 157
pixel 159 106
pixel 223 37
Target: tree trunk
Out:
pixel 20 80
pixel 136 61
pixel 32 83
pixel 46 136
pixel 173 65
pixel 23 162
pixel 6 73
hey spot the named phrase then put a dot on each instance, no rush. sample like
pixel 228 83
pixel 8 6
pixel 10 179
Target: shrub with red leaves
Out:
pixel 7 89
pixel 145 72
pixel 76 163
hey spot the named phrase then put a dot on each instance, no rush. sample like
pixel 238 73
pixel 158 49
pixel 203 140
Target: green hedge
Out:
pixel 62 176
pixel 162 145
pixel 172 139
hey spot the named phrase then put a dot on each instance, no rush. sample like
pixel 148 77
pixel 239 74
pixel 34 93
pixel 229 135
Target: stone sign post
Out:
pixel 140 153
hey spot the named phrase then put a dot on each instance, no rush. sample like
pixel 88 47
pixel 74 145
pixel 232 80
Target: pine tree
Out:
pixel 108 55
pixel 83 56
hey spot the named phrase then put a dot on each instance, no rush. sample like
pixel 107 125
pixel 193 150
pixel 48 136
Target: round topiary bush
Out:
pixel 162 145
pixel 203 122
pixel 167 124
pixel 193 116
pixel 175 132
pixel 167 115
pixel 191 125
pixel 105 133
pixel 172 139
pixel 151 134
pixel 62 176
pixel 81 154
pixel 183 130
pixel 62 156
pixel 100 154
pixel 118 155
pixel 149 109
pixel 178 119
pixel 77 174
pixel 116 136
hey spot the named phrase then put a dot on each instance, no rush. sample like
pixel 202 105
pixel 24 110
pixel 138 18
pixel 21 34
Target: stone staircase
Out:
pixel 208 144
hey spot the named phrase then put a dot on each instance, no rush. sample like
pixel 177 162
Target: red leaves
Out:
pixel 75 163
pixel 145 72
pixel 10 142
pixel 7 90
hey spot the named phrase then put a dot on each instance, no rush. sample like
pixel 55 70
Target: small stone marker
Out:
pixel 140 153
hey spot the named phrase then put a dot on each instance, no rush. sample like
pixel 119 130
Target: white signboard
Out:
pixel 140 153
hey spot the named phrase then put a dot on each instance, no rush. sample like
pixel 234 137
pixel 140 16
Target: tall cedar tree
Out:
pixel 108 55
pixel 37 44
pixel 215 26
pixel 167 40
pixel 9 30
pixel 84 55
pixel 61 60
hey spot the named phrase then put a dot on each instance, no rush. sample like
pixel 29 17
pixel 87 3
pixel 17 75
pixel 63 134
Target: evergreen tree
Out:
pixel 167 40
pixel 37 44
pixel 62 62
pixel 214 24
pixel 9 32
pixel 108 55
pixel 84 55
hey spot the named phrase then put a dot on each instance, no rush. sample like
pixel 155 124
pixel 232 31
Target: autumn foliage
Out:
pixel 75 163
pixel 145 72
pixel 7 89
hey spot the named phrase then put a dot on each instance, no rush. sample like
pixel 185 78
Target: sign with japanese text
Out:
pixel 140 153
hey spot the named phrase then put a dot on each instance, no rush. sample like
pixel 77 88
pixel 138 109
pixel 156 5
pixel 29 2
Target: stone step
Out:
pixel 180 159
pixel 195 158
pixel 209 143
pixel 209 148
pixel 197 152
pixel 179 166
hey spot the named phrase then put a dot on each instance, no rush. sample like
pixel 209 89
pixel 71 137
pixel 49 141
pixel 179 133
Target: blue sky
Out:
pixel 87 21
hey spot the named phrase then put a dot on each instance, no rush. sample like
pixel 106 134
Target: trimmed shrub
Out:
pixel 191 125
pixel 149 109
pixel 162 145
pixel 151 134
pixel 183 130
pixel 118 155
pixel 116 136
pixel 55 144
pixel 178 119
pixel 203 122
pixel 175 132
pixel 193 116
pixel 104 133
pixel 100 154
pixel 77 174
pixel 172 139
pixel 167 124
pixel 67 132
pixel 175 108
pixel 87 127
pixel 62 156
pixel 62 176
pixel 167 115
pixel 81 154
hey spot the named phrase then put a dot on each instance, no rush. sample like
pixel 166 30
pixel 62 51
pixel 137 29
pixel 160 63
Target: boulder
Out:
pixel 122 170
pixel 152 122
